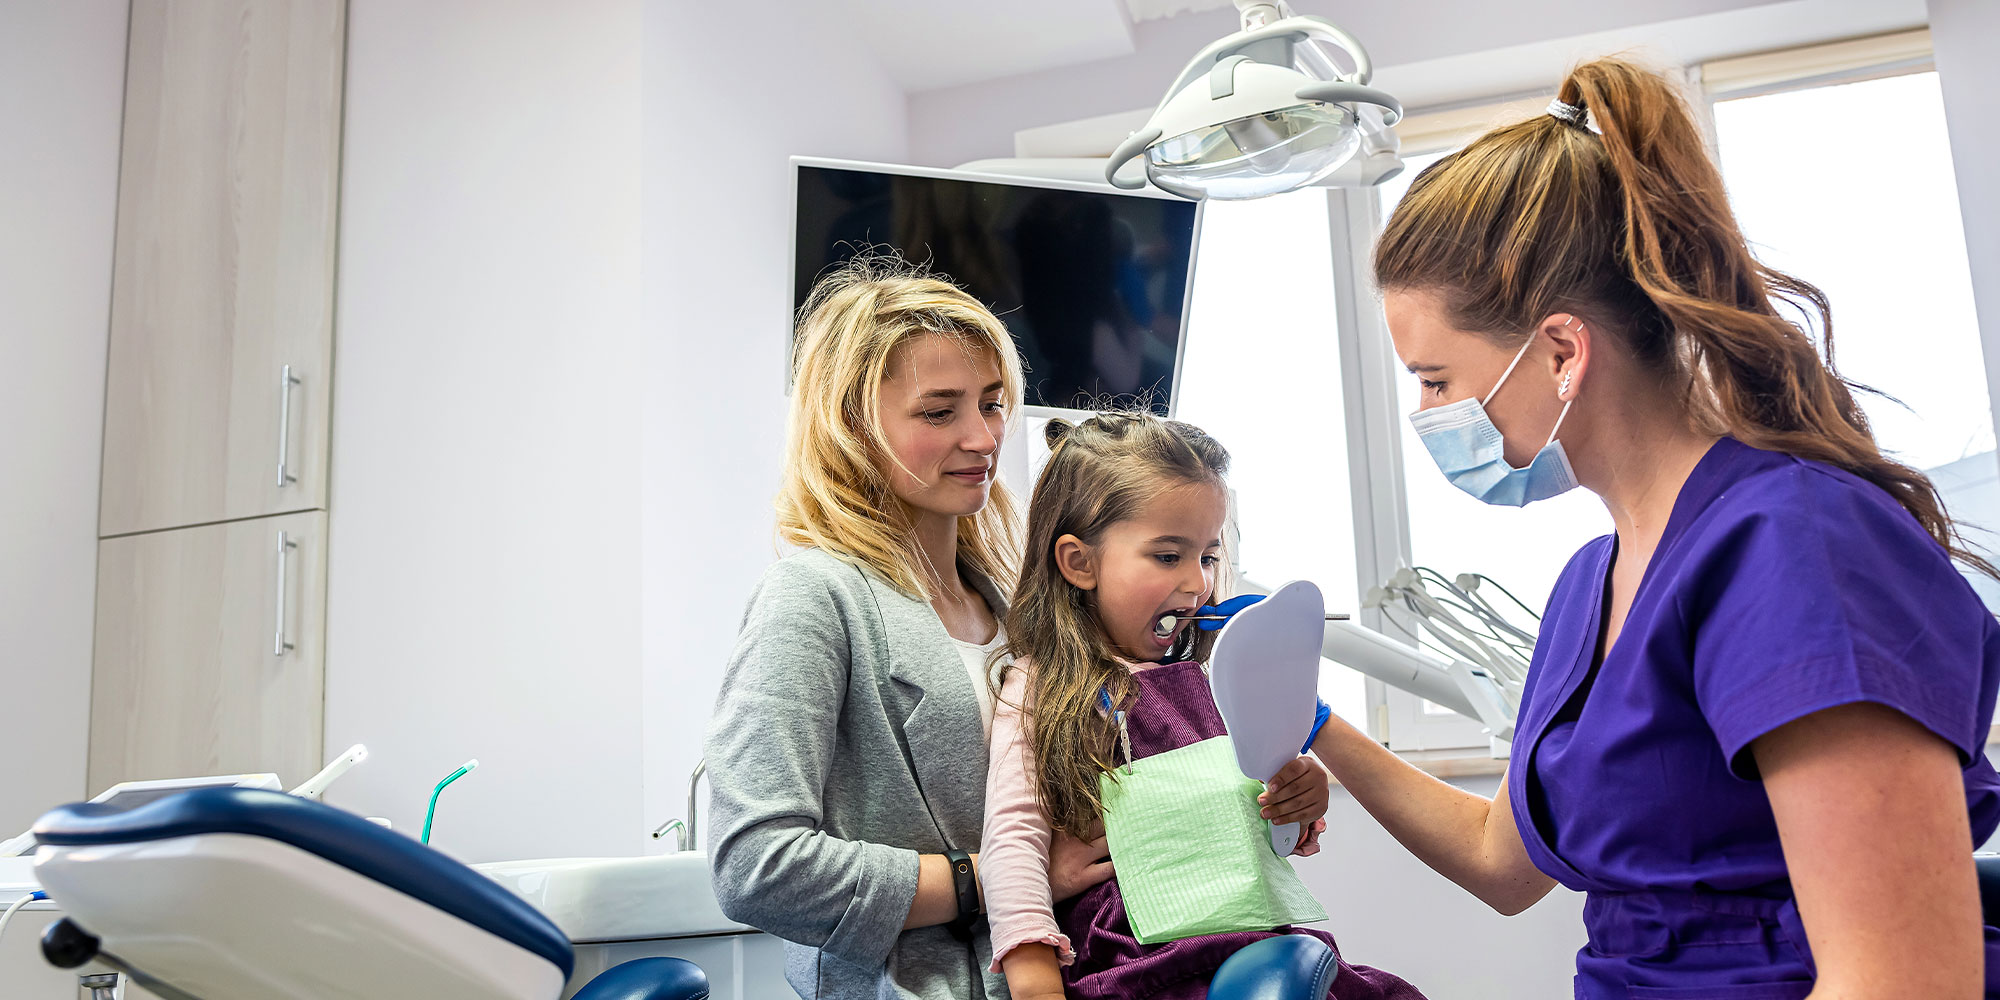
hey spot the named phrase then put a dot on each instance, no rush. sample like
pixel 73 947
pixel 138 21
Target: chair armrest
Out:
pixel 648 979
pixel 1286 967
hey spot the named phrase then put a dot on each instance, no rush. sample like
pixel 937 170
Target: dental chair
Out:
pixel 251 894
pixel 1988 867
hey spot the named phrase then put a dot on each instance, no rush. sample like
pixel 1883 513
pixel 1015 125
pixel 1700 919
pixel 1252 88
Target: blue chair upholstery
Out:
pixel 1988 866
pixel 1286 967
pixel 648 979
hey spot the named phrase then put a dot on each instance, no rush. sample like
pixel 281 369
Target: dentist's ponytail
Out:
pixel 1620 216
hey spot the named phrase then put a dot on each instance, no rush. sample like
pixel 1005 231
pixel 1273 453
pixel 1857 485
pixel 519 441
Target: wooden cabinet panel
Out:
pixel 187 679
pixel 224 262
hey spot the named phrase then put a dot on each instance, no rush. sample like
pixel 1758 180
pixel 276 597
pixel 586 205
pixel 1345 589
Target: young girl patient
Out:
pixel 1125 526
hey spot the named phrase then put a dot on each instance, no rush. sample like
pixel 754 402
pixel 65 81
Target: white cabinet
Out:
pixel 217 393
pixel 23 972
pixel 25 975
pixel 223 265
pixel 208 651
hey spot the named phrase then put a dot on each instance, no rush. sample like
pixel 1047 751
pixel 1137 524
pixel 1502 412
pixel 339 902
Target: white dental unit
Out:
pixel 196 886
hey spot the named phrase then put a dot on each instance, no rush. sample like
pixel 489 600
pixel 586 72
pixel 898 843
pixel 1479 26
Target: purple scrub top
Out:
pixel 1781 587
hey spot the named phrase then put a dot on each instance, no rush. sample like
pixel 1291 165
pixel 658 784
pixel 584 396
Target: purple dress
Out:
pixel 1175 709
pixel 1780 587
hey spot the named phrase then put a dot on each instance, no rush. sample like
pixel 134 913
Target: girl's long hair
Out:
pixel 1101 471
pixel 1631 229
pixel 836 490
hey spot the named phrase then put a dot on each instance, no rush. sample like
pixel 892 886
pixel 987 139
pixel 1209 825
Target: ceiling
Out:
pixel 934 45
pixel 1153 10
pixel 987 40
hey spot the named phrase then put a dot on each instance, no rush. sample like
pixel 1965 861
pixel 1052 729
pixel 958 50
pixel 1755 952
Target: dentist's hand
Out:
pixel 1298 793
pixel 1076 865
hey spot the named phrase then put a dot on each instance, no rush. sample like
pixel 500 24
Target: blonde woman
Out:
pixel 847 753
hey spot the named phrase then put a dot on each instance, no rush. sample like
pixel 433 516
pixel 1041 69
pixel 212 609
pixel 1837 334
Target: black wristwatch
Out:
pixel 966 881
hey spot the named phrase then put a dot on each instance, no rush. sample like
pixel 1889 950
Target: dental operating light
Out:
pixel 1265 111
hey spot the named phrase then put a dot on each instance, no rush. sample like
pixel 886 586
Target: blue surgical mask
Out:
pixel 1472 454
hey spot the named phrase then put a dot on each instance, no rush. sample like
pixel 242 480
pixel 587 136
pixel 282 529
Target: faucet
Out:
pixel 684 830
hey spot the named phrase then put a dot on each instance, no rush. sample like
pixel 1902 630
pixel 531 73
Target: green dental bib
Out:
pixel 1192 854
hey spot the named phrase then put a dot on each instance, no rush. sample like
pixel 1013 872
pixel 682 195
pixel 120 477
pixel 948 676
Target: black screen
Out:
pixel 1092 285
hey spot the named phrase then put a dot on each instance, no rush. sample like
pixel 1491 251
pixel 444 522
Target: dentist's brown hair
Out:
pixel 1631 229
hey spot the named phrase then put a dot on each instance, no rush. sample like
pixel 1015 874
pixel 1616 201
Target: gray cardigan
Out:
pixel 846 741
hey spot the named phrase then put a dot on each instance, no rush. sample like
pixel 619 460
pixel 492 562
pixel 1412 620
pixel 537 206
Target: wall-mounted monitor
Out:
pixel 1092 282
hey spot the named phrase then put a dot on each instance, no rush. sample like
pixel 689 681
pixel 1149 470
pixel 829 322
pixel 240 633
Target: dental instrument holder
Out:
pixel 1264 673
pixel 1489 668
pixel 684 830
pixel 430 811
pixel 315 786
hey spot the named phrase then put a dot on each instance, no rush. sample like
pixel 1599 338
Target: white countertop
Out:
pixel 620 899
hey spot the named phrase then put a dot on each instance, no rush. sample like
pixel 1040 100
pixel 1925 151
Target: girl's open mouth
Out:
pixel 1165 626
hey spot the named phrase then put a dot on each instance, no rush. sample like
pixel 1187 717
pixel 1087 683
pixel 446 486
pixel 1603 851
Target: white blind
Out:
pixel 1430 131
pixel 1833 62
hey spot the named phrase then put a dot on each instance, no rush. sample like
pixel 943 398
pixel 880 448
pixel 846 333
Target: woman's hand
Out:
pixel 1076 865
pixel 1298 793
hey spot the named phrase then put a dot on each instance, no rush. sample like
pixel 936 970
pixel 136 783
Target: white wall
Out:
pixel 561 326
pixel 1962 33
pixel 718 216
pixel 484 566
pixel 62 92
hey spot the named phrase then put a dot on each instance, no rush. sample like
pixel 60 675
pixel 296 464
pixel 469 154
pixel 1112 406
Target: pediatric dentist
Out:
pixel 1753 732
pixel 847 753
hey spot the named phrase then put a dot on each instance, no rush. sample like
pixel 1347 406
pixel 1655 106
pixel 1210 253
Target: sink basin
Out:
pixel 619 899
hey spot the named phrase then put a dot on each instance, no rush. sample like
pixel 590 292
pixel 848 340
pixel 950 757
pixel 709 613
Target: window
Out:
pixel 1880 233
pixel 1299 406
pixel 1262 373
pixel 1523 549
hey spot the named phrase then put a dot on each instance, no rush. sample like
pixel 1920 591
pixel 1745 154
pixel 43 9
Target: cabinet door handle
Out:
pixel 280 646
pixel 285 382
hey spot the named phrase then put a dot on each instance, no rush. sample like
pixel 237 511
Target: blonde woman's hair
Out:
pixel 836 492
pixel 1100 472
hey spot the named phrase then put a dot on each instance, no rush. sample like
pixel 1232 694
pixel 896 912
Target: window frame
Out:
pixel 1375 418
pixel 1382 535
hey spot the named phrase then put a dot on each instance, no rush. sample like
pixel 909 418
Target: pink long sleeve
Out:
pixel 1014 851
